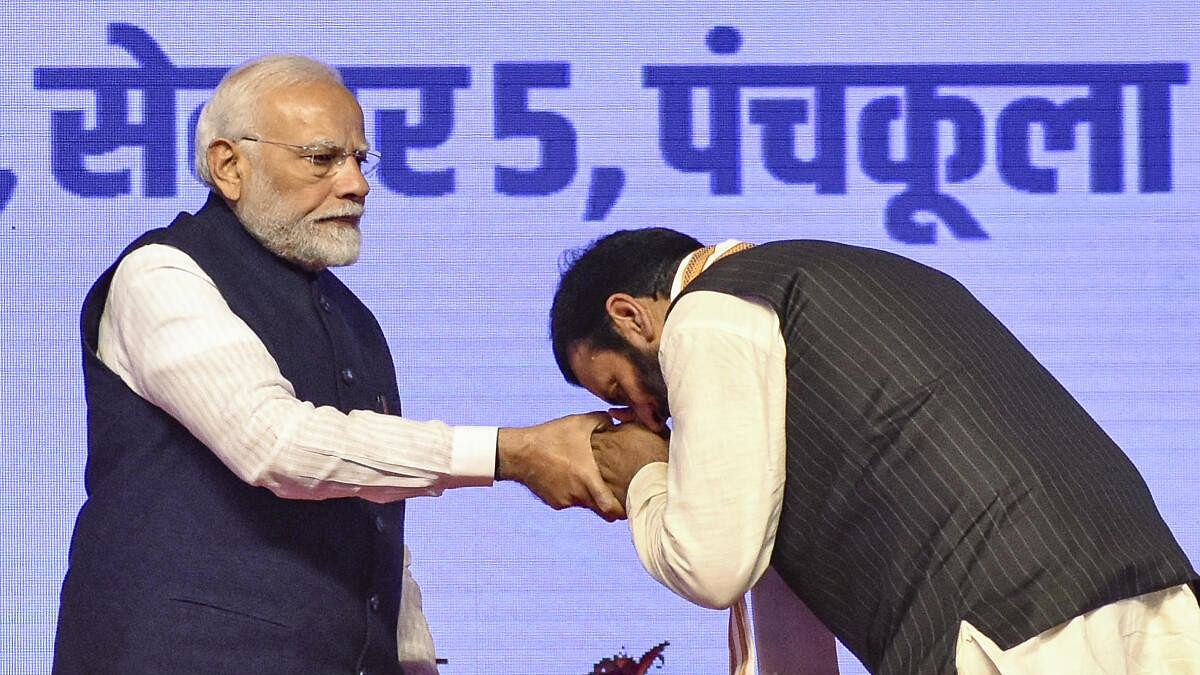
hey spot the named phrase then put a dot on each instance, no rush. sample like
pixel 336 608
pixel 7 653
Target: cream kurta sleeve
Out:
pixel 170 336
pixel 704 523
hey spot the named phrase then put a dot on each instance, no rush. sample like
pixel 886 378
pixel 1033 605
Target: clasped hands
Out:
pixel 579 460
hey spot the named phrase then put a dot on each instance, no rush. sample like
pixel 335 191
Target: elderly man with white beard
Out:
pixel 247 465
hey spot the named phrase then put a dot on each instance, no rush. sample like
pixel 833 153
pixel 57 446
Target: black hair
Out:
pixel 641 263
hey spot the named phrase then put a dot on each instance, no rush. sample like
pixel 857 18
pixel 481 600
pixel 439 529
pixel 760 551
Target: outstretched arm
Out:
pixel 169 334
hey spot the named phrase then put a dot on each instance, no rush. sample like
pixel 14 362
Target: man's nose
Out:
pixel 349 181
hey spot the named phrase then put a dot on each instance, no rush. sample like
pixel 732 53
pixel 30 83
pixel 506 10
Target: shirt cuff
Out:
pixel 650 480
pixel 473 457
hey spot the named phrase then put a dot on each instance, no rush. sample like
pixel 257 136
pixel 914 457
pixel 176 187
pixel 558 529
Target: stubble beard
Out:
pixel 649 372
pixel 310 241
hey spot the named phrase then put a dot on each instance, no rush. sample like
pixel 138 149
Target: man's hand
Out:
pixel 554 460
pixel 623 450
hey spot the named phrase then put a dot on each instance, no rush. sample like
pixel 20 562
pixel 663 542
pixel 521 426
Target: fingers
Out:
pixel 605 503
pixel 599 421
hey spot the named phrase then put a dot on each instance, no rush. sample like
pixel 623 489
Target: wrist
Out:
pixel 510 444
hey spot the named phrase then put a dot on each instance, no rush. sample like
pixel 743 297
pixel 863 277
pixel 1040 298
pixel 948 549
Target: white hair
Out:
pixel 232 112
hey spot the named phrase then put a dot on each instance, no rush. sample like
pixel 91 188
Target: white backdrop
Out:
pixel 1048 157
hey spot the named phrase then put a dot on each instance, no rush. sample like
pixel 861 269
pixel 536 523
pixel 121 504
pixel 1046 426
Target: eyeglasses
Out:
pixel 326 159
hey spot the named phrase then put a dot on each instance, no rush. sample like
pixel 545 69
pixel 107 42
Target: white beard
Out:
pixel 309 241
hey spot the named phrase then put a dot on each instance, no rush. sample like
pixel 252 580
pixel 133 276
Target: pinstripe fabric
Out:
pixel 935 470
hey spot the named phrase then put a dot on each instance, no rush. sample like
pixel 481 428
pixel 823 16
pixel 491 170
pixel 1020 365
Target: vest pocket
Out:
pixel 200 609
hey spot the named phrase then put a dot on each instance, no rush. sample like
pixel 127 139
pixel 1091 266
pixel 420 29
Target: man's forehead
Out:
pixel 326 143
pixel 326 106
pixel 589 363
pixel 580 352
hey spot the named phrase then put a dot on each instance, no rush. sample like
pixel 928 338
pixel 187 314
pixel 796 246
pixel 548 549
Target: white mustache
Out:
pixel 349 211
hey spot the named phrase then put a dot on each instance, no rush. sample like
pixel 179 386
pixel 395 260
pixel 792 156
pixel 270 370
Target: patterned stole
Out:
pixel 700 260
pixel 742 658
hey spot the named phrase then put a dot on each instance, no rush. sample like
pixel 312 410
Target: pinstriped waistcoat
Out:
pixel 936 471
pixel 176 565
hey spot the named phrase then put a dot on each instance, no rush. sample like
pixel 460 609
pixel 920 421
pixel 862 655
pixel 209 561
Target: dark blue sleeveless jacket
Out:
pixel 176 565
pixel 936 472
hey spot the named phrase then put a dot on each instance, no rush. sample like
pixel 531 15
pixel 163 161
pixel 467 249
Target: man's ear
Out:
pixel 226 165
pixel 632 318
